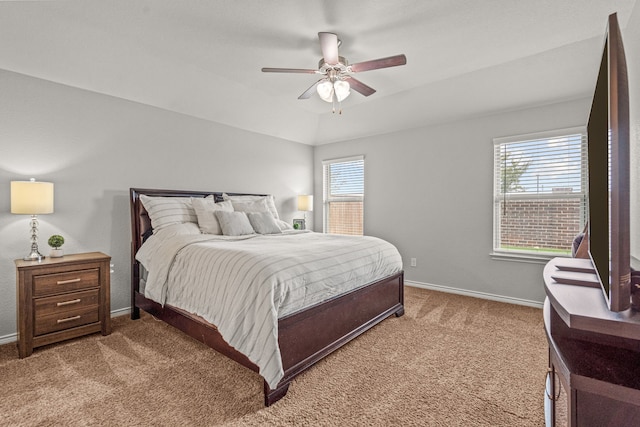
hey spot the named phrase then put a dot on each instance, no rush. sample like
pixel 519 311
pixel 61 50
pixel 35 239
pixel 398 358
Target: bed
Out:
pixel 304 336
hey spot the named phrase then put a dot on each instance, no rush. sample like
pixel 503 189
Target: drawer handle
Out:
pixel 550 378
pixel 64 282
pixel 68 319
pixel 73 301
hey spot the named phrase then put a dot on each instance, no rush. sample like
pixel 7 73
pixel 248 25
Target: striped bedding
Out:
pixel 244 284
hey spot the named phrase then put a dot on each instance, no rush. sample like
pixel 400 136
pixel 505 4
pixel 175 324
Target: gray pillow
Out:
pixel 234 223
pixel 263 222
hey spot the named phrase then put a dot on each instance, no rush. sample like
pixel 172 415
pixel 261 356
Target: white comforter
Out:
pixel 244 284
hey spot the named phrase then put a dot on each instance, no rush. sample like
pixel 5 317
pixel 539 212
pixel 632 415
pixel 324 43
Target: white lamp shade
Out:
pixel 31 197
pixel 305 203
pixel 342 89
pixel 325 91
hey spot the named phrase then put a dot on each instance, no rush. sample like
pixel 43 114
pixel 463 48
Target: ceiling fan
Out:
pixel 337 80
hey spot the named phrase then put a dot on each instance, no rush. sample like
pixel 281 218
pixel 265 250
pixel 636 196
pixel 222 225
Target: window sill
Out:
pixel 522 257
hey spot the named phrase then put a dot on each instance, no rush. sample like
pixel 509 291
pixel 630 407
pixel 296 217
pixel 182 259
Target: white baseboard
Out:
pixel 121 312
pixel 475 294
pixel 6 339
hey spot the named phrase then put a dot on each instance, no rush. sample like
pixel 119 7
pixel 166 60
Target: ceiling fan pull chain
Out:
pixel 333 100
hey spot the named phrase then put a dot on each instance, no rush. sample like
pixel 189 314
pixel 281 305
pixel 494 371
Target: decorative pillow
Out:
pixel 284 225
pixel 206 212
pixel 164 211
pixel 269 200
pixel 263 223
pixel 234 223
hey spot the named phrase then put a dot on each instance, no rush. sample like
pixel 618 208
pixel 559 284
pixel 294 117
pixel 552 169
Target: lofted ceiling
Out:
pixel 203 58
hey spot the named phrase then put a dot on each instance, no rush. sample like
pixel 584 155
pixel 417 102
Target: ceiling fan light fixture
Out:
pixel 325 91
pixel 342 89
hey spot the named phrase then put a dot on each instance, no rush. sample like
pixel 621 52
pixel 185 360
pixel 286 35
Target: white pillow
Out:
pixel 205 211
pixel 263 223
pixel 164 211
pixel 250 206
pixel 177 230
pixel 234 223
pixel 269 200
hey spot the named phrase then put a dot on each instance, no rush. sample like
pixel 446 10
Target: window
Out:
pixel 344 195
pixel 540 194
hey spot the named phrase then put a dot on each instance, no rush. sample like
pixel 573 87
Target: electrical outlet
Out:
pixel 413 262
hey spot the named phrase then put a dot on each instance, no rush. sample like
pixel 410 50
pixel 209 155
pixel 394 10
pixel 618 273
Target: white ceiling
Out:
pixel 203 58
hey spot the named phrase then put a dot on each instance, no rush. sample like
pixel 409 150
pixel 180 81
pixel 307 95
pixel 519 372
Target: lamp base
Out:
pixel 34 256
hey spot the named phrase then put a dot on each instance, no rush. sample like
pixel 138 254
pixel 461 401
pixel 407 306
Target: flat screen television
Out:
pixel 608 160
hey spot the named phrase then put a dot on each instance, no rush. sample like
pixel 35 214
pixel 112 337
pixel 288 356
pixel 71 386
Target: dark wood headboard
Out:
pixel 141 223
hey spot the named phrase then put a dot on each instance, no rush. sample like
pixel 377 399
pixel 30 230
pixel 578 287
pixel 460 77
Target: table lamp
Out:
pixel 305 204
pixel 32 198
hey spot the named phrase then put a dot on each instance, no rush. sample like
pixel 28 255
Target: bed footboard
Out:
pixel 308 336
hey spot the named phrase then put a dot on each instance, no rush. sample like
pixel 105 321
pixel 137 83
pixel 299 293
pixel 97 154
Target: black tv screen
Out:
pixel 608 160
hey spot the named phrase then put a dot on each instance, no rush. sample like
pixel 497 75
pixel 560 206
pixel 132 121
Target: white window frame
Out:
pixel 526 255
pixel 327 198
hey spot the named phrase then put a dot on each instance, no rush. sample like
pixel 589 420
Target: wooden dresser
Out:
pixel 62 298
pixel 594 357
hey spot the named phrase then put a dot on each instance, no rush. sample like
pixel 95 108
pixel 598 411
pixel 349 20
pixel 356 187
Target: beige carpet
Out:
pixel 449 361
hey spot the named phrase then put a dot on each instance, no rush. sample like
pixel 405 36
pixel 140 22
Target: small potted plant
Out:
pixel 56 241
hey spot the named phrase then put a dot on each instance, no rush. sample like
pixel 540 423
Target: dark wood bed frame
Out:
pixel 304 337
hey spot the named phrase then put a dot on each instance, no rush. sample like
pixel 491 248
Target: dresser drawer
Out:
pixel 65 320
pixel 66 302
pixel 49 284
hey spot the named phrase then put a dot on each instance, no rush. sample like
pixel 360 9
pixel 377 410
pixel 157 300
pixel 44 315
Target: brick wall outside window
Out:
pixel 527 223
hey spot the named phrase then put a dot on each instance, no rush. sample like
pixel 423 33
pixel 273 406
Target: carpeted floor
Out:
pixel 449 361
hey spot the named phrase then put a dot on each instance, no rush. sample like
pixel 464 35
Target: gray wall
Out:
pixel 95 147
pixel 430 192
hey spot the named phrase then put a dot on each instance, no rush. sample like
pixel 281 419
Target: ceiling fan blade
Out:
pixel 289 70
pixel 307 93
pixel 374 64
pixel 329 46
pixel 360 87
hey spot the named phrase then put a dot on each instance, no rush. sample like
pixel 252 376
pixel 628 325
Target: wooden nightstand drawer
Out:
pixel 65 302
pixel 49 284
pixel 66 320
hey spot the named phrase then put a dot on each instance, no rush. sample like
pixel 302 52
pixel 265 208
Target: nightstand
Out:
pixel 62 298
